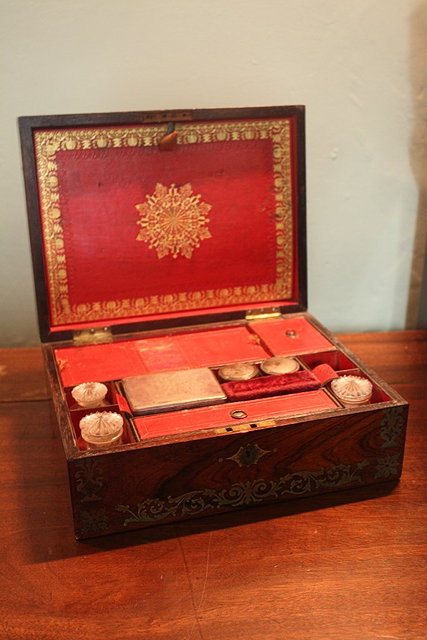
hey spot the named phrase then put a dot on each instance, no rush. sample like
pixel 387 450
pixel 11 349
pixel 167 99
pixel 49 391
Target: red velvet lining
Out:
pixel 336 359
pixel 271 385
pixel 324 373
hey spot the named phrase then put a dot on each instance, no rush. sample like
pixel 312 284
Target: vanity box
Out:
pixel 174 242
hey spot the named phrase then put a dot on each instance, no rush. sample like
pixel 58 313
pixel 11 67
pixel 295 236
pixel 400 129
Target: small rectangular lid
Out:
pixel 152 219
pixel 171 390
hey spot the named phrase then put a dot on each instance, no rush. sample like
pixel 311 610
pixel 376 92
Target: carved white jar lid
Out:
pixel 89 394
pixel 102 428
pixel 279 365
pixel 238 371
pixel 352 390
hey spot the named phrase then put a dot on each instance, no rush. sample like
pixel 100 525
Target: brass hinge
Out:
pixel 95 335
pixel 262 314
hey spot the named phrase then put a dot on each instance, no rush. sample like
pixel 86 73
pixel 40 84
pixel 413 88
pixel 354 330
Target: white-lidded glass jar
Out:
pixel 352 390
pixel 101 429
pixel 89 394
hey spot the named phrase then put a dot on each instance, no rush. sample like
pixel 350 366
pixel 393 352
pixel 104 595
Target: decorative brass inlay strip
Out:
pixel 243 493
pixel 89 482
pixel 49 142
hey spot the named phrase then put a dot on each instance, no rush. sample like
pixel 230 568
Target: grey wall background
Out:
pixel 358 66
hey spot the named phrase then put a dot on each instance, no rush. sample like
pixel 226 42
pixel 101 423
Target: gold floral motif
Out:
pixel 242 493
pixel 49 142
pixel 173 220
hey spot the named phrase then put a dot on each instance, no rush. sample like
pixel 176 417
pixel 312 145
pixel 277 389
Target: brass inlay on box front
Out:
pixel 242 494
pixel 247 455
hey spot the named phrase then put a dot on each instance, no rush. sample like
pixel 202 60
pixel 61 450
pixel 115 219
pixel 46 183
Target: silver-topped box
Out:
pixel 172 390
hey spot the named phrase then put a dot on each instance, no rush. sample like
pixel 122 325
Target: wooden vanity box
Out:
pixel 166 241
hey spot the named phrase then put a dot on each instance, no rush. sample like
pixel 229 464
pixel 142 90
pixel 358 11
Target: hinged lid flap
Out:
pixel 153 219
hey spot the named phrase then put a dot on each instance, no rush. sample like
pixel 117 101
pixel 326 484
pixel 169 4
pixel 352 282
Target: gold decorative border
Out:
pixel 49 142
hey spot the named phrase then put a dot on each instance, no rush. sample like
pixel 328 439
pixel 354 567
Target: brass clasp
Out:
pixel 94 335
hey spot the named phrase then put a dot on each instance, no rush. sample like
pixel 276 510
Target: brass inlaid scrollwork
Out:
pixel 241 493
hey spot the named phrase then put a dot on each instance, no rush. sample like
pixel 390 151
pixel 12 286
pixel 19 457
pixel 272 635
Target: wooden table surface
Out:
pixel 349 565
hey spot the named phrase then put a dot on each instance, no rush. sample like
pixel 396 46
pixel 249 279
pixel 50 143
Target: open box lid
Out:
pixel 149 220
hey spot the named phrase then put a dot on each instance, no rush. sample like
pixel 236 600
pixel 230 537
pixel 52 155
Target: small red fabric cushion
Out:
pixel 271 385
pixel 324 373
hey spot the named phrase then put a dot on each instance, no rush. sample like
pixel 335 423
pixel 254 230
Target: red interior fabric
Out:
pixel 271 385
pixel 99 191
pixel 113 361
pixel 324 373
pixel 123 404
pixel 106 261
pixel 98 363
pixel 221 346
pixel 219 415
pixel 290 336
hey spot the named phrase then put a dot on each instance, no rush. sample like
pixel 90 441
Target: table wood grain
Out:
pixel 343 566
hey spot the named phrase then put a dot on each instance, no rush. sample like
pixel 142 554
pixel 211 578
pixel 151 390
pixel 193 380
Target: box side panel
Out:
pixel 140 488
pixel 59 403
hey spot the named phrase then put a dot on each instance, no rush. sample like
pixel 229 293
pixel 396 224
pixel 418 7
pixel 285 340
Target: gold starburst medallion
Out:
pixel 173 220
